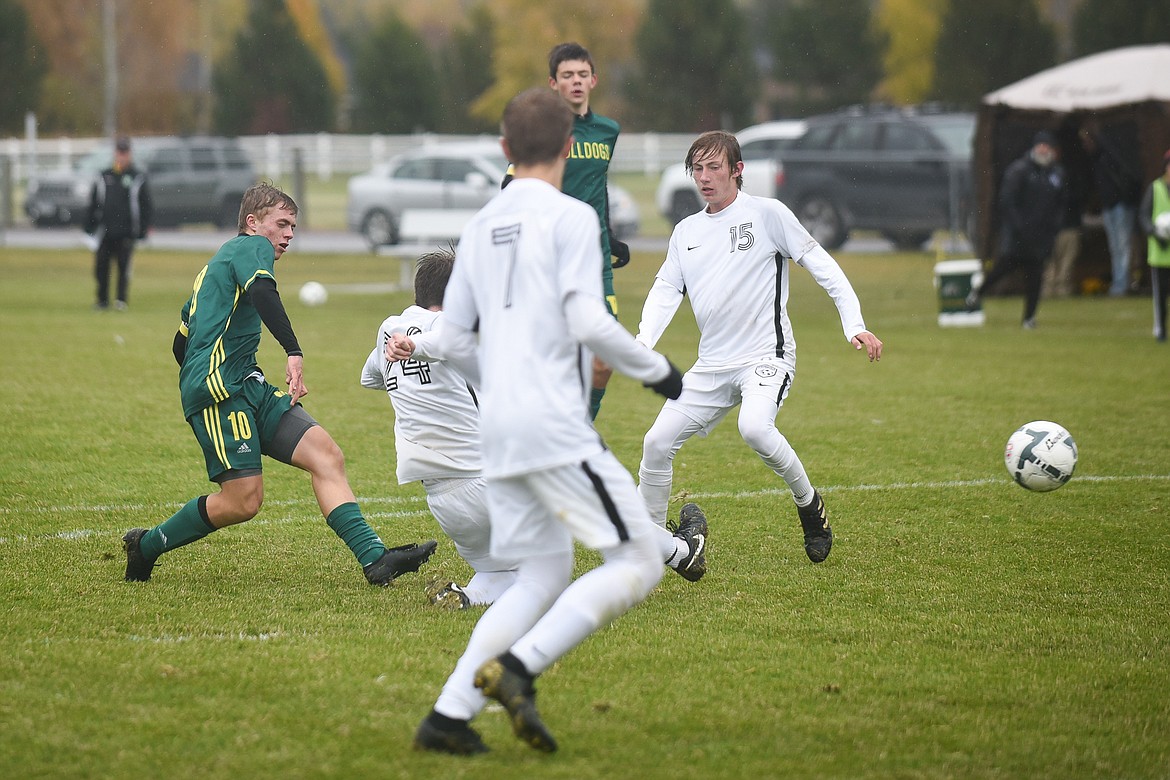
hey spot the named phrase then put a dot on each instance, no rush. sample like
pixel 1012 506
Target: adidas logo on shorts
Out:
pixel 244 449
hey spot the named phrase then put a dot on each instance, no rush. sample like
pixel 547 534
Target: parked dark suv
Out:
pixel 196 179
pixel 902 172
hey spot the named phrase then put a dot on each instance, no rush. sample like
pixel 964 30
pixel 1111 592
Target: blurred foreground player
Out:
pixel 526 281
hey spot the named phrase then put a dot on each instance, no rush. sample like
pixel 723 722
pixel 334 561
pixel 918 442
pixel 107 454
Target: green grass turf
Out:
pixel 962 627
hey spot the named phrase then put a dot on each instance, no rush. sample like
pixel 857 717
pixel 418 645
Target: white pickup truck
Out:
pixel 678 197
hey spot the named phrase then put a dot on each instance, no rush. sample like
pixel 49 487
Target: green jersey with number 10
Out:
pixel 221 325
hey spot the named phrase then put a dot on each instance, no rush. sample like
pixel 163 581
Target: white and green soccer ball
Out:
pixel 313 294
pixel 1040 456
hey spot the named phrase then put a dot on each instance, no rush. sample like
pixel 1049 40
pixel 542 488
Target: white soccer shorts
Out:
pixel 594 502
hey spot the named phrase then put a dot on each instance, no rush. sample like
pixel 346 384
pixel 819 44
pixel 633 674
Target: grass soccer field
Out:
pixel 962 627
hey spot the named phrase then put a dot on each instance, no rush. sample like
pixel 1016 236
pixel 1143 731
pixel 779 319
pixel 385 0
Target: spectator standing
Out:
pixel 1119 188
pixel 1031 204
pixel 120 213
pixel 1156 204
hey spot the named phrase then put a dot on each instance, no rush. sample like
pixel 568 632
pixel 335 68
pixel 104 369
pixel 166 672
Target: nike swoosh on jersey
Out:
pixel 696 246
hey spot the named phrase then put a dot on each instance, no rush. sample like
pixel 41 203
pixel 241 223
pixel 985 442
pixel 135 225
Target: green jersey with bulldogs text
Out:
pixel 221 324
pixel 586 174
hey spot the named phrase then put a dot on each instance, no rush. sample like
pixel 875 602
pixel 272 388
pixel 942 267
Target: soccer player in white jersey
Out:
pixel 436 438
pixel 730 259
pixel 526 281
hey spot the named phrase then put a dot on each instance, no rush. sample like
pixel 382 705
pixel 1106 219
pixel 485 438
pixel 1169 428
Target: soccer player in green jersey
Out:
pixel 571 74
pixel 237 416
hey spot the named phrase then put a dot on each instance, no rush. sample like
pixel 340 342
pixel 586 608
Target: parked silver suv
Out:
pixel 196 179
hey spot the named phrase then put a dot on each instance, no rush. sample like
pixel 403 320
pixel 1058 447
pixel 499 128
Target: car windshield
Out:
pixel 956 133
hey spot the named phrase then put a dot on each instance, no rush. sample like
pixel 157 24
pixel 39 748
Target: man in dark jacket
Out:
pixel 119 214
pixel 1031 205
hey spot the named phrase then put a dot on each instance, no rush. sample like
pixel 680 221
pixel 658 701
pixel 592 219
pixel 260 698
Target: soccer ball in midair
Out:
pixel 1040 456
pixel 313 294
pixel 1162 226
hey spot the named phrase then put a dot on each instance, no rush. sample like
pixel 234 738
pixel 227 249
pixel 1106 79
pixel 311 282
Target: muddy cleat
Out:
pixel 137 567
pixel 518 695
pixel 818 536
pixel 447 595
pixel 397 561
pixel 692 529
pixel 459 740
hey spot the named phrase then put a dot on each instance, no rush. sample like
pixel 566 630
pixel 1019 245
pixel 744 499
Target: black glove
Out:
pixel 620 251
pixel 671 386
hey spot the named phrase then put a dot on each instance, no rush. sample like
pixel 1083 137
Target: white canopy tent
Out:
pixel 1111 78
pixel 1124 94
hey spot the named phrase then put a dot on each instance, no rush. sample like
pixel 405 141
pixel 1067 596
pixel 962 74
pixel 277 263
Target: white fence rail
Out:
pixel 325 155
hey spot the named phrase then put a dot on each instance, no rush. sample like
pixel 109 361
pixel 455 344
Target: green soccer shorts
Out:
pixel 236 432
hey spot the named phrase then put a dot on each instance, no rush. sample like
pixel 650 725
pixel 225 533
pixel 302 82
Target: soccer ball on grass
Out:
pixel 1040 456
pixel 313 294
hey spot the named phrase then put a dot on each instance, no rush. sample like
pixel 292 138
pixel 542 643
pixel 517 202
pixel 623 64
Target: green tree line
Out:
pixel 665 65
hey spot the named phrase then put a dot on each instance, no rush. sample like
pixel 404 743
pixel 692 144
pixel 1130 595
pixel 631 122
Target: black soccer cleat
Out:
pixel 460 740
pixel 397 561
pixel 818 536
pixel 447 595
pixel 518 695
pixel 137 567
pixel 692 529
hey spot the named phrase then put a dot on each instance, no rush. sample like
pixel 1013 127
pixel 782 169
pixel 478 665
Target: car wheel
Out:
pixel 682 205
pixel 908 239
pixel 822 219
pixel 379 229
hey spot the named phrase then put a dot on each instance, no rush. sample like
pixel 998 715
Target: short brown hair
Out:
pixel 712 143
pixel 431 274
pixel 259 199
pixel 567 52
pixel 536 125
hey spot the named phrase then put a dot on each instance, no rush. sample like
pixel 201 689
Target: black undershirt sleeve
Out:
pixel 266 299
pixel 179 347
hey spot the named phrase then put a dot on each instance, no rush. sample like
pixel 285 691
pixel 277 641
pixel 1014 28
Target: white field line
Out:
pixel 83 533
